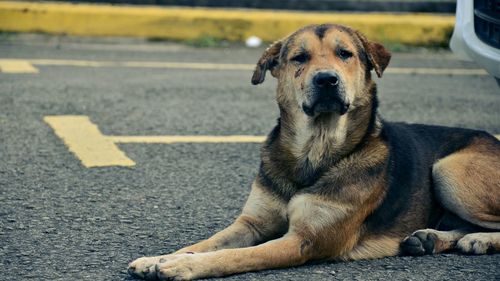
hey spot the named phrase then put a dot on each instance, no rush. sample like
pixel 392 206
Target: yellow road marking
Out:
pixel 144 64
pixel 84 139
pixel 190 139
pixel 436 71
pixel 223 66
pixel 16 66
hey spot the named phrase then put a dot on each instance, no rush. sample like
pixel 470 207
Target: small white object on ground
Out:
pixel 253 42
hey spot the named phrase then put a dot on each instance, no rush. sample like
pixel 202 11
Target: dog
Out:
pixel 337 182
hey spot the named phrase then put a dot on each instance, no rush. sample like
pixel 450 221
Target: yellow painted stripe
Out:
pixel 436 71
pixel 143 64
pixel 84 139
pixel 226 24
pixel 16 66
pixel 229 66
pixel 192 139
pixel 94 149
pixel 189 139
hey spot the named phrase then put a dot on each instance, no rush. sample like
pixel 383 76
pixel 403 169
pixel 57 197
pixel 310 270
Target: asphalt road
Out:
pixel 62 221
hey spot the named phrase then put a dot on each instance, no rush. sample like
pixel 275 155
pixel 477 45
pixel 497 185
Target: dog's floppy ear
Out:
pixel 378 55
pixel 268 61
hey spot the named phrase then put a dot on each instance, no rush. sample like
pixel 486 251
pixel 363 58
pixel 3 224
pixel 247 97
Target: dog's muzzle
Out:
pixel 327 95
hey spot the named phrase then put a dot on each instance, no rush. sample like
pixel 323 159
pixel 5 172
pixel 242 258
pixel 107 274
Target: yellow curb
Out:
pixel 193 23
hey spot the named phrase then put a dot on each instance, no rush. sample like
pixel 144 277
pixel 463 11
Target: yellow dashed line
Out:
pixel 94 149
pixel 191 139
pixel 216 66
pixel 436 71
pixel 188 65
pixel 144 64
pixel 16 66
pixel 84 139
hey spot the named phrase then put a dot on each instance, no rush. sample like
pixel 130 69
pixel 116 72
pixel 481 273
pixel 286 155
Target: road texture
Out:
pixel 62 221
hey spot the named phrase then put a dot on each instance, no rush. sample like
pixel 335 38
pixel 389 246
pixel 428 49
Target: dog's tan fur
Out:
pixel 293 216
pixel 468 182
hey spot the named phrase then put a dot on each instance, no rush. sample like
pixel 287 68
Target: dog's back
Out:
pixel 432 142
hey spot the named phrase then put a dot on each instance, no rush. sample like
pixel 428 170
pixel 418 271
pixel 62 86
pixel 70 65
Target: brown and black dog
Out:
pixel 337 182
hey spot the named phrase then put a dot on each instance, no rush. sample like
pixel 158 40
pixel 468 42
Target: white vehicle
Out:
pixel 477 34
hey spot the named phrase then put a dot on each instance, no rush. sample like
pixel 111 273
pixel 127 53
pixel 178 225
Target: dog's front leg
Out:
pixel 311 235
pixel 262 218
pixel 283 252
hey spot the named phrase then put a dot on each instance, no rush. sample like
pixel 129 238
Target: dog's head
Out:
pixel 322 68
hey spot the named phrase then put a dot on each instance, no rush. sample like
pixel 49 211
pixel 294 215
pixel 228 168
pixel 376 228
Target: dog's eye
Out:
pixel 344 54
pixel 300 58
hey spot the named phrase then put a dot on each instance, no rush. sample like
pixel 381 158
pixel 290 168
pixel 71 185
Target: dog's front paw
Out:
pixel 476 244
pixel 184 267
pixel 419 243
pixel 145 267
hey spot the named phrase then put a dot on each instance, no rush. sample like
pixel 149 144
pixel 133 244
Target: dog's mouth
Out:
pixel 326 104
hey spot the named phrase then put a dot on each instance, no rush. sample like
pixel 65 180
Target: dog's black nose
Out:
pixel 326 79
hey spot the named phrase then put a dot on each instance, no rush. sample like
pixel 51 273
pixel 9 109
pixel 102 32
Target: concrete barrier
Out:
pixel 224 24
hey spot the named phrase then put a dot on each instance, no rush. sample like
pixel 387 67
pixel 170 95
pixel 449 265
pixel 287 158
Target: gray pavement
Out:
pixel 62 221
